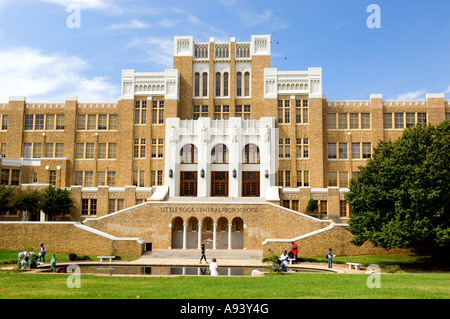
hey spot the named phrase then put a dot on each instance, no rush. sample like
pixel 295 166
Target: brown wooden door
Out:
pixel 250 184
pixel 219 184
pixel 188 184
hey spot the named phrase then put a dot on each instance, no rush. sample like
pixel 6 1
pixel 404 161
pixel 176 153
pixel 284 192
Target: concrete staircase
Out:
pixel 223 254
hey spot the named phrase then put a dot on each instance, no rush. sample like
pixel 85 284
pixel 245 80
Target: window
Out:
pixel 205 84
pixel 160 178
pixel 342 150
pixel 81 122
pixel 29 121
pixel 15 177
pixel 188 154
pixel 332 179
pixel 410 119
pixel 59 150
pixel 101 151
pixel 218 83
pixel 60 119
pixel 221 112
pixel 102 122
pixel 89 206
pixel 138 178
pixel 342 118
pixel 365 121
pixel 251 154
pixel 50 122
pixel 284 148
pixel 331 121
pixel 343 179
pixel 158 112
pixel 37 150
pixel 421 119
pixel 302 148
pixel 88 178
pixel 112 150
pixel 4 122
pixel 343 208
pixel 92 122
pixel 331 150
pixel 3 149
pixel 284 178
pixel 225 84
pixel 302 178
pixel 111 179
pixel 52 177
pixel 115 205
pixel 139 148
pixel 219 154
pixel 387 120
pixel 49 150
pixel 157 148
pixel 301 111
pixel 197 84
pixel 27 150
pixel 39 122
pixel 200 111
pixel 366 150
pixel 89 150
pixel 140 112
pixel 356 150
pixel 78 178
pixel 4 177
pixel 113 119
pixel 101 178
pixel 239 84
pixel 354 121
pixel 283 111
pixel 247 84
pixel 398 118
pixel 243 113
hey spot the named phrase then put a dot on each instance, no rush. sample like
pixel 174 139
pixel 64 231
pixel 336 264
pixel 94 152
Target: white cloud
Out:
pixel 447 90
pixel 134 24
pixel 50 78
pixel 84 4
pixel 158 50
pixel 411 95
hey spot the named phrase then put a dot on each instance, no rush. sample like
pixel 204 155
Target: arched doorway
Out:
pixel 207 236
pixel 237 233
pixel 192 233
pixel 222 233
pixel 177 233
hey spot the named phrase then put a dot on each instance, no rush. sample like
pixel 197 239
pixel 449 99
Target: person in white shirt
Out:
pixel 213 268
pixel 284 261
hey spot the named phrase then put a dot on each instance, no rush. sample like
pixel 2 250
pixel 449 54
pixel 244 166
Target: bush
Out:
pixel 118 257
pixel 73 257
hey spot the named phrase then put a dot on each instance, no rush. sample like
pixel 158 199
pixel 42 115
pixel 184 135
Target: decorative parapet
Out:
pixel 292 82
pixel 165 84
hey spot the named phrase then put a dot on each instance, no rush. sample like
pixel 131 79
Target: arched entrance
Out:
pixel 207 236
pixel 237 233
pixel 222 233
pixel 177 233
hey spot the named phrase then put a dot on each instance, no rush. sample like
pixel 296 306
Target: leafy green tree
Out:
pixel 6 198
pixel 56 200
pixel 30 201
pixel 312 205
pixel 402 196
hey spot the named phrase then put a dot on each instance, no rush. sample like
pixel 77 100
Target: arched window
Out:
pixel 205 84
pixel 219 154
pixel 251 154
pixel 189 154
pixel 239 84
pixel 197 84
pixel 225 84
pixel 247 84
pixel 218 80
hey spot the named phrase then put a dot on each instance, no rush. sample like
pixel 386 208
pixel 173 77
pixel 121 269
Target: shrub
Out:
pixel 73 257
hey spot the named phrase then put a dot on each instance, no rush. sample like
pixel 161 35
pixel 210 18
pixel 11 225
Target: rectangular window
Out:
pixel 27 150
pixel 101 178
pixel 4 178
pixel 59 150
pixel 37 150
pixel 421 119
pixel 387 120
pixel 365 121
pixel 354 121
pixel 343 208
pixel 398 117
pixel 111 181
pixel 366 150
pixel 102 121
pixel 49 150
pixel 93 207
pixel 158 112
pixel 342 118
pixel 88 179
pixel 331 150
pixel 152 178
pixel 52 177
pixel 15 177
pixel 112 149
pixel 342 150
pixel 3 149
pixel 113 120
pixel 79 150
pixel 287 178
pixel 4 122
pixel 101 152
pixel 89 150
pixel 356 151
pixel 343 179
pixel 78 178
pixel 81 122
pixel 301 111
pixel 410 119
pixel 306 178
pixel 284 148
pixel 331 121
pixel 160 178
pixel 39 122
pixel 29 121
pixel 92 122
pixel 284 111
pixel 60 119
pixel 332 179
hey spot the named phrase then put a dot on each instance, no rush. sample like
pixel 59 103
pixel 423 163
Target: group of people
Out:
pixel 26 259
pixel 293 255
pixel 213 268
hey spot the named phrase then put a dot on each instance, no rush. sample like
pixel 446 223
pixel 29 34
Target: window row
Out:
pixel 221 83
pixel 39 150
pixel 157 148
pixel 219 154
pixel 302 148
pixel 284 111
pixel 10 177
pixel 140 112
pixel 322 206
pixel 403 120
pixel 283 178
pixel 358 150
pixel 44 122
pixel 352 121
pixel 222 112
pixel 97 122
pixel 86 178
pixel 87 150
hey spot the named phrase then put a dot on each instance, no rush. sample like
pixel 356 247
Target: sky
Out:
pixel 53 49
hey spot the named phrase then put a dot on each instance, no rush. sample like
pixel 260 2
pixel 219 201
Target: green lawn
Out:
pixel 15 285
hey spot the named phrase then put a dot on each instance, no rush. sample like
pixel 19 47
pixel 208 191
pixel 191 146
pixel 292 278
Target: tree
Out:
pixel 312 205
pixel 29 200
pixel 6 198
pixel 402 196
pixel 56 201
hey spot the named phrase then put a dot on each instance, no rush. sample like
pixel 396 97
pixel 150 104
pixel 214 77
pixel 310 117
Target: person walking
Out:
pixel 330 258
pixel 203 254
pixel 213 268
pixel 42 253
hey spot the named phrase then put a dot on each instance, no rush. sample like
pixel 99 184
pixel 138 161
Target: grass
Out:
pixel 15 285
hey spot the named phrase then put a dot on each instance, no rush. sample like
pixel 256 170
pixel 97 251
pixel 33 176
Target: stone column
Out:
pixel 229 236
pixel 214 235
pixel 199 235
pixel 184 235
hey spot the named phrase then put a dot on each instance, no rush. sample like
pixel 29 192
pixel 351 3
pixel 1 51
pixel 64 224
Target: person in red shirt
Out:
pixel 294 249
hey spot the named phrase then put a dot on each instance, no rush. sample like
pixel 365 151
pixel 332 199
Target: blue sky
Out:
pixel 46 61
